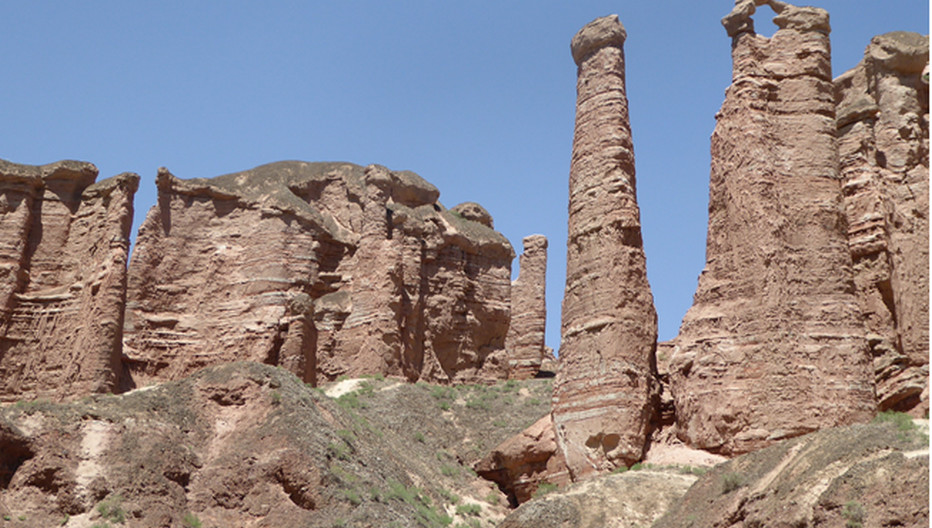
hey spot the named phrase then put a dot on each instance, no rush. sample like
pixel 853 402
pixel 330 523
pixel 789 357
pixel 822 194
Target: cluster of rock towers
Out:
pixel 812 308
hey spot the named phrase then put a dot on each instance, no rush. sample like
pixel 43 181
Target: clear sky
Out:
pixel 478 97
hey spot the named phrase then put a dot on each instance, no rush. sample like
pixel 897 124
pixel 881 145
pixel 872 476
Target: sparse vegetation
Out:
pixel 191 521
pixel 449 496
pixel 111 509
pixel 620 469
pixel 469 509
pixel 853 514
pixel 419 437
pixel 493 498
pixel 449 470
pixel 543 488
pixel 731 482
pixel 276 397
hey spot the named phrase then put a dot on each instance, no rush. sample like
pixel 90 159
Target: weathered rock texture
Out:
pixel 63 249
pixel 860 475
pixel 522 463
pixel 605 392
pixel 322 268
pixel 526 334
pixel 774 345
pixel 628 500
pixel 883 141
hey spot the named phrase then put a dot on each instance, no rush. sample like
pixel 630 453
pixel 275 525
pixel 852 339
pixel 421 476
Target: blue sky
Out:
pixel 477 97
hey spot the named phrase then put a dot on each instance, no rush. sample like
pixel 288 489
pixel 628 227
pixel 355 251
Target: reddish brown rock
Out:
pixel 605 392
pixel 525 339
pixel 774 345
pixel 63 251
pixel 326 269
pixel 522 463
pixel 883 135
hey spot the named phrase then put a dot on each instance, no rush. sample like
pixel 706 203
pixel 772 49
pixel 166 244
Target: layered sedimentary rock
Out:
pixel 604 394
pixel 526 334
pixel 325 269
pixel 63 252
pixel 883 141
pixel 774 345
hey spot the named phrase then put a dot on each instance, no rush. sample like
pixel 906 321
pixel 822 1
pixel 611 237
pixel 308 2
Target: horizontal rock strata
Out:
pixel 774 345
pixel 883 139
pixel 326 269
pixel 63 252
pixel 604 393
pixel 526 334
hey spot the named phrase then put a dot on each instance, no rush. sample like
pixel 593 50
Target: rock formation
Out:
pixel 883 141
pixel 525 339
pixel 774 345
pixel 522 463
pixel 325 269
pixel 605 392
pixel 63 252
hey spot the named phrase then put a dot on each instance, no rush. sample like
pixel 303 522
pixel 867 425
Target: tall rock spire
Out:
pixel 774 345
pixel 605 388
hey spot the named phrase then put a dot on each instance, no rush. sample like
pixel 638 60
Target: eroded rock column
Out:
pixel 774 345
pixel 526 334
pixel 604 390
pixel 883 134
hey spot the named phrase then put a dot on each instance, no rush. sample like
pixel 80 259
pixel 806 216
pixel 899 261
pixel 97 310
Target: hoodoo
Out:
pixel 525 339
pixel 605 390
pixel 774 345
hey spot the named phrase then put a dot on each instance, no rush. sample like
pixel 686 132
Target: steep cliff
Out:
pixel 63 251
pixel 325 269
pixel 883 141
pixel 774 345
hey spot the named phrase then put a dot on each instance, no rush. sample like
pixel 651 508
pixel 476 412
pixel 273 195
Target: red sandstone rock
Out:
pixel 774 345
pixel 605 391
pixel 525 339
pixel 323 268
pixel 522 463
pixel 63 251
pixel 883 135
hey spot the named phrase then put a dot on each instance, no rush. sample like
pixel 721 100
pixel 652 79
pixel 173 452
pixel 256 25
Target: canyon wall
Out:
pixel 883 141
pixel 325 269
pixel 605 391
pixel 774 345
pixel 525 339
pixel 63 248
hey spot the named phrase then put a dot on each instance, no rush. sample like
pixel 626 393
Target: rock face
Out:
pixel 325 269
pixel 63 252
pixel 526 334
pixel 860 475
pixel 605 391
pixel 883 140
pixel 522 463
pixel 627 500
pixel 774 345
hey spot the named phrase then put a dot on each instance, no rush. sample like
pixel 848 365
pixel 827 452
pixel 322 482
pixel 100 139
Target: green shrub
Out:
pixel 731 482
pixel 419 436
pixel 449 496
pixel 853 514
pixel 448 470
pixel 620 469
pixel 352 496
pixel 112 509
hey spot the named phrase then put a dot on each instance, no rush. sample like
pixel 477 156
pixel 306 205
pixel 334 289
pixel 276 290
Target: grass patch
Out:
pixel 111 509
pixel 448 470
pixel 543 488
pixel 853 514
pixel 469 509
pixel 191 521
pixel 419 437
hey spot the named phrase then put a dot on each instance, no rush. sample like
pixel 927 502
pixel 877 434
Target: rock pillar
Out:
pixel 774 345
pixel 525 339
pixel 883 135
pixel 604 391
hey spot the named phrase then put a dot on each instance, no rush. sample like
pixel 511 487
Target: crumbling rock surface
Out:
pixel 859 475
pixel 526 334
pixel 627 500
pixel 774 345
pixel 605 392
pixel 325 269
pixel 883 141
pixel 63 252
pixel 522 463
